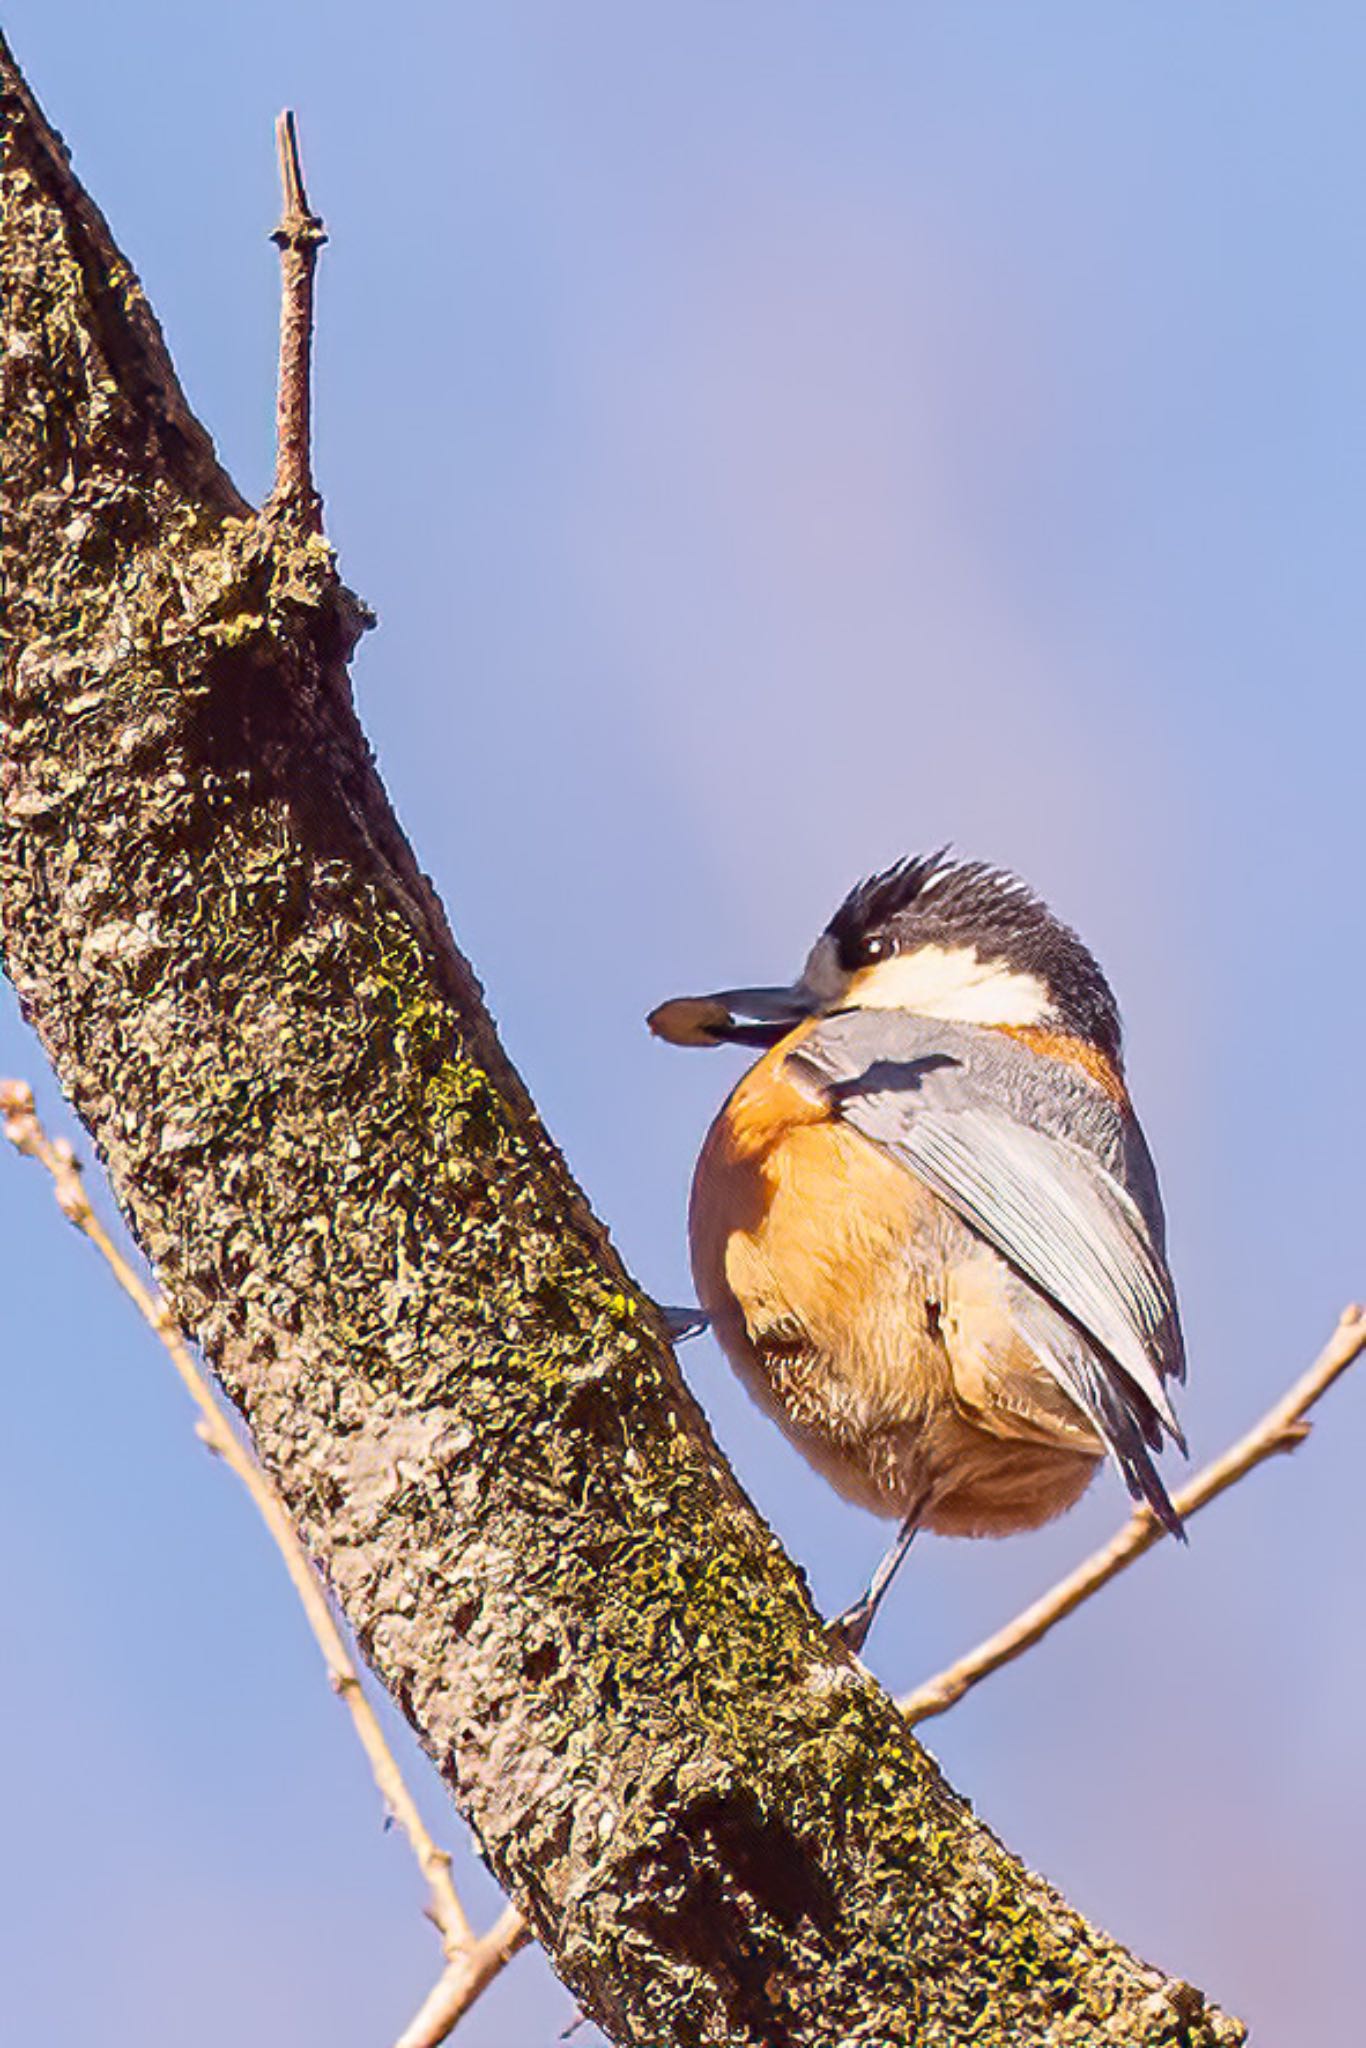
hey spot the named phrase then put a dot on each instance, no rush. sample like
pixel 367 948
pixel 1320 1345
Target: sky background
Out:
pixel 775 437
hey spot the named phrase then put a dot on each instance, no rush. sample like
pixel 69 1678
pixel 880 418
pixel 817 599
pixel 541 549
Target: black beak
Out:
pixel 733 1016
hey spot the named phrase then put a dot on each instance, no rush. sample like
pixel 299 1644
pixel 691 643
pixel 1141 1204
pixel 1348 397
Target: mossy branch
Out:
pixel 720 1828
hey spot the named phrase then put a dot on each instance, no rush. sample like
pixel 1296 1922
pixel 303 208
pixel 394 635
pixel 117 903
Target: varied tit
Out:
pixel 925 1226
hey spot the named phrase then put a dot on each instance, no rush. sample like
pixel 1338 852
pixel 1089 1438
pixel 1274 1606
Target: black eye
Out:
pixel 872 949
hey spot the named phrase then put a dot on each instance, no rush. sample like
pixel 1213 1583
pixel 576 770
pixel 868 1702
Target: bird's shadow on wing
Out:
pixel 881 1077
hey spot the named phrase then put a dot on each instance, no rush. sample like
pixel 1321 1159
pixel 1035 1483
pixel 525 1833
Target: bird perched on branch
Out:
pixel 925 1226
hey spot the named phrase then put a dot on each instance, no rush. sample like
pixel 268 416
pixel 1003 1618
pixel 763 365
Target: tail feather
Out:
pixel 1124 1418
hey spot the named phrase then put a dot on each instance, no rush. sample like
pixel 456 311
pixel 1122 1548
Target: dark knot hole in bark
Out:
pixel 725 1845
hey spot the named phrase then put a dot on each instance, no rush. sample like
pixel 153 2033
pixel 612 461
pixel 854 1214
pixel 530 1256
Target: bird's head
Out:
pixel 939 937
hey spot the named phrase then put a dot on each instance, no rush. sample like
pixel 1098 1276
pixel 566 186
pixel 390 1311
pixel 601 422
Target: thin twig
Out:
pixel 463 1979
pixel 471 1961
pixel 1281 1429
pixel 299 237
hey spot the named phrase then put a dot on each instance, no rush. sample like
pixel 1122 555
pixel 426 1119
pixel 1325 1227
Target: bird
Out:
pixel 925 1226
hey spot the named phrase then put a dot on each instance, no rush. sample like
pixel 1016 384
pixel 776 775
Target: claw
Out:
pixel 851 1628
pixel 682 1323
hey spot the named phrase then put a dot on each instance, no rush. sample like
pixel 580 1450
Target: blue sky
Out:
pixel 774 438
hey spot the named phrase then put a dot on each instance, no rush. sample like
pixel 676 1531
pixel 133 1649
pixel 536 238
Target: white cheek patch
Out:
pixel 951 982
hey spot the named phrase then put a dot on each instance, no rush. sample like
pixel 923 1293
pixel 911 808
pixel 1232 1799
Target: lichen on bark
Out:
pixel 719 1826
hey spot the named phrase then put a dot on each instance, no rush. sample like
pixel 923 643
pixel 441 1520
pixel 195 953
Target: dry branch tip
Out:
pixel 298 222
pixel 298 237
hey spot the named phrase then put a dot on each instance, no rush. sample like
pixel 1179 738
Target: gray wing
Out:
pixel 1054 1176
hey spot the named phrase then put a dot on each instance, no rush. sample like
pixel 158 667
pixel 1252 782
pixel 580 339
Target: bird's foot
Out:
pixel 851 1628
pixel 682 1323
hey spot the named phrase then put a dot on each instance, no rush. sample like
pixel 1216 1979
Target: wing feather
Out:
pixel 1028 1161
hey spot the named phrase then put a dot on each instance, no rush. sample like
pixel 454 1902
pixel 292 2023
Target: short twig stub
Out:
pixel 298 237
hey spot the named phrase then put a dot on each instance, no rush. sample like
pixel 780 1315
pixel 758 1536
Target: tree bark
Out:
pixel 718 1825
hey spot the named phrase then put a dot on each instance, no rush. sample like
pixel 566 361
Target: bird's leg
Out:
pixel 853 1625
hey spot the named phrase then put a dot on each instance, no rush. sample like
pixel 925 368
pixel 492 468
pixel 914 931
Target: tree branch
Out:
pixel 299 237
pixel 471 1963
pixel 719 1827
pixel 463 1979
pixel 1281 1429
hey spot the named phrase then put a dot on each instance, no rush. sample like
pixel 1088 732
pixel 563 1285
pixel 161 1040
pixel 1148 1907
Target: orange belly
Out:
pixel 871 1324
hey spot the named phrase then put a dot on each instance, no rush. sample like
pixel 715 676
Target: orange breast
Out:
pixel 790 1204
pixel 868 1321
pixel 800 1234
